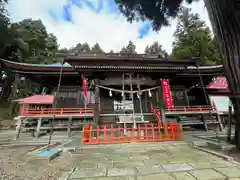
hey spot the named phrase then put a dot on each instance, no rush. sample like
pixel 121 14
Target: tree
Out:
pixel 111 52
pixel 85 48
pixel 18 41
pixel 80 48
pixel 156 49
pixel 28 42
pixel 9 44
pixel 194 39
pixel 96 49
pixel 39 46
pixel 4 23
pixel 51 49
pixel 63 51
pixel 224 16
pixel 129 49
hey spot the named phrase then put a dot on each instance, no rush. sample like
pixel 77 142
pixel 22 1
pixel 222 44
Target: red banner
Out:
pixel 166 93
pixel 84 84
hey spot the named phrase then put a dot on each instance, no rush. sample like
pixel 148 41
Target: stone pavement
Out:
pixel 150 161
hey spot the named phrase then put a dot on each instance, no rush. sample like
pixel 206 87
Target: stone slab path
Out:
pixel 150 161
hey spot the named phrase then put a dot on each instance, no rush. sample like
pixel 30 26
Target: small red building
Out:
pixel 219 93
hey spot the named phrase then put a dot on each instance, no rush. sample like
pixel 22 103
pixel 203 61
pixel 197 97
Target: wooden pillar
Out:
pixel 52 129
pixel 204 123
pixel 157 97
pixel 140 97
pixel 97 101
pixel 162 110
pixel 131 89
pixel 78 98
pixel 123 94
pixel 18 128
pixel 69 126
pixel 38 129
pixel 229 132
pixel 146 104
pixel 186 97
pixel 123 102
pixel 219 121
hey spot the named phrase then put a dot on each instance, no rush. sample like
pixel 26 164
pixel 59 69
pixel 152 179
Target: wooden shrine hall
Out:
pixel 120 90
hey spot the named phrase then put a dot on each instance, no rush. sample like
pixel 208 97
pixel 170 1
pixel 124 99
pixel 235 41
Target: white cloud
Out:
pixel 109 31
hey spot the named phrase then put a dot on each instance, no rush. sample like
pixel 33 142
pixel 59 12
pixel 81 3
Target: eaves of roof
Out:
pixel 190 69
pixel 37 67
pixel 55 68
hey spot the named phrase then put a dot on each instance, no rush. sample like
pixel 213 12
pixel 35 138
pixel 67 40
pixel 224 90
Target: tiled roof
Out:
pixel 37 99
pixel 219 83
pixel 68 66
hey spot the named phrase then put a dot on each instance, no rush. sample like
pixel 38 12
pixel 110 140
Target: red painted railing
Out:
pixel 156 113
pixel 191 108
pixel 57 112
pixel 143 133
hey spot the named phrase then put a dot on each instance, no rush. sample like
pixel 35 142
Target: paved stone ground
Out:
pixel 150 161
pixel 133 161
pixel 16 164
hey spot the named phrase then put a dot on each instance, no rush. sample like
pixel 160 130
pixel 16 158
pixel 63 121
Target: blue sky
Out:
pixel 91 21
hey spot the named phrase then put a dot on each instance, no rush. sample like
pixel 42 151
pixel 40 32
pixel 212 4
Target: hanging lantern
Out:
pixel 138 95
pixel 122 93
pixel 110 93
pixel 149 93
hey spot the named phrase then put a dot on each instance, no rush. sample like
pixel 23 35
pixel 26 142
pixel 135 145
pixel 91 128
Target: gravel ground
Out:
pixel 16 165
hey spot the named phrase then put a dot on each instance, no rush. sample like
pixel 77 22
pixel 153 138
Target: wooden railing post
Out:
pixel 69 126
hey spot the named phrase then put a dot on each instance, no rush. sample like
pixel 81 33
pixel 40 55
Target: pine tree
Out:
pixel 129 49
pixel 156 49
pixel 96 49
pixel 194 39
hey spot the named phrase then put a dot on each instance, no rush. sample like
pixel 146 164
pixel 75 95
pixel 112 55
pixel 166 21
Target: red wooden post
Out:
pixel 146 131
pixel 22 110
pixel 112 139
pixel 172 129
pixel 153 134
pixel 83 135
pixel 165 126
pixel 139 131
pixel 90 134
pixel 86 131
pixel 98 134
pixel 159 131
pixel 104 133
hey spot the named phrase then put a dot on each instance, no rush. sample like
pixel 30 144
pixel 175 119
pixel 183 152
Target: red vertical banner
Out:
pixel 84 84
pixel 166 93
